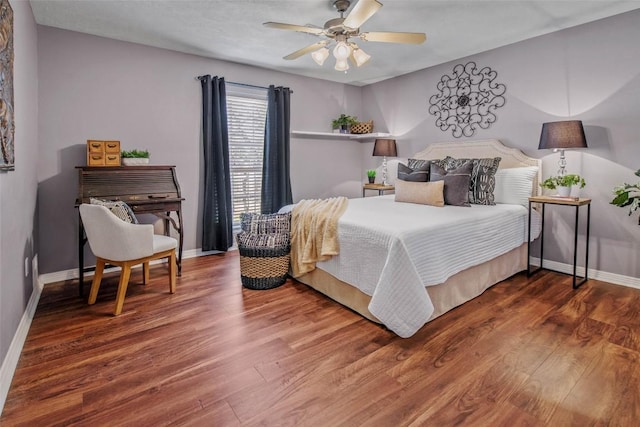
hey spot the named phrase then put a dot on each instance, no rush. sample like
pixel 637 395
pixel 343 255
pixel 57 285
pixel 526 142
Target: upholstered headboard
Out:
pixel 511 157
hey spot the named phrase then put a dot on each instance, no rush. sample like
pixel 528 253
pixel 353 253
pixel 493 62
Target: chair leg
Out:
pixel 145 273
pixel 172 272
pixel 122 287
pixel 97 278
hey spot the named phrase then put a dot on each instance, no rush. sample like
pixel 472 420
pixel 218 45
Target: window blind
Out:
pixel 246 115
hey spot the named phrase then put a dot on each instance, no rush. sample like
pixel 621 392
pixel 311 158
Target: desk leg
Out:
pixel 529 272
pixel 542 236
pixel 81 241
pixel 529 244
pixel 575 248
pixel 180 237
pixel 586 256
pixel 577 284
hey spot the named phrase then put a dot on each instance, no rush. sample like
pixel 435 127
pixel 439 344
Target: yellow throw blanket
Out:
pixel 314 232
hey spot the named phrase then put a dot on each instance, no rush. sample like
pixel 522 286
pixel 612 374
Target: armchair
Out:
pixel 119 243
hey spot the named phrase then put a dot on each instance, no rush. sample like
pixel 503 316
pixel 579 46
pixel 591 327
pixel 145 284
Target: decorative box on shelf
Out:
pixel 103 153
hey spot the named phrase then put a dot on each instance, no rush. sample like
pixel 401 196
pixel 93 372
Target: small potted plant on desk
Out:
pixel 371 174
pixel 563 183
pixel 135 157
pixel 343 123
pixel 628 195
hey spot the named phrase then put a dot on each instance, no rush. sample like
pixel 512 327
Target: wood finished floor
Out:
pixel 527 352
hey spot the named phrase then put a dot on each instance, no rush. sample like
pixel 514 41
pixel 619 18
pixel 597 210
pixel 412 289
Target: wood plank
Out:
pixel 528 352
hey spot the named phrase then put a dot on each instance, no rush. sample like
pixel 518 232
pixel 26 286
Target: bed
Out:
pixel 397 263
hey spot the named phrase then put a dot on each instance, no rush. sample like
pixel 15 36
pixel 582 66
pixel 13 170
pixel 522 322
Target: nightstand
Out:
pixel 565 201
pixel 380 187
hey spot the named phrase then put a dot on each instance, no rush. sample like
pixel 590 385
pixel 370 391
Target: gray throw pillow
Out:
pixel 416 174
pixel 456 183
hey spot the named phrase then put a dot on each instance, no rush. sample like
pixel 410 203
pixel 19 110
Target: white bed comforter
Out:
pixel 391 251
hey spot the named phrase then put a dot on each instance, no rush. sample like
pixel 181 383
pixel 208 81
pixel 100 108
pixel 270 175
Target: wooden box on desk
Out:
pixel 103 153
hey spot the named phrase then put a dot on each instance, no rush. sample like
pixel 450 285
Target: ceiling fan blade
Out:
pixel 300 28
pixel 308 49
pixel 390 37
pixel 361 12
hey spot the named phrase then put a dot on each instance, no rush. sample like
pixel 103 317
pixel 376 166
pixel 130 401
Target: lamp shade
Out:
pixel 385 147
pixel 360 57
pixel 341 51
pixel 565 134
pixel 320 55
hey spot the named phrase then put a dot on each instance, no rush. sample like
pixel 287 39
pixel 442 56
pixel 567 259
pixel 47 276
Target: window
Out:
pixel 246 115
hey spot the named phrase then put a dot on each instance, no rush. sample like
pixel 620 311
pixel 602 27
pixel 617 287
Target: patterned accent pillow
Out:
pixel 483 182
pixel 265 223
pixel 418 174
pixel 118 208
pixel 456 183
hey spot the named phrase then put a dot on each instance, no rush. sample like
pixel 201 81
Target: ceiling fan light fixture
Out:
pixel 342 51
pixel 360 56
pixel 342 65
pixel 320 55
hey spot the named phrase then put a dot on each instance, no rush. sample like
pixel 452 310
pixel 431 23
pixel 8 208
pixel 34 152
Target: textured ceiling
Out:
pixel 233 31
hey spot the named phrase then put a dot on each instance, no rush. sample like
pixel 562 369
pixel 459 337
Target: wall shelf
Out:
pixel 345 136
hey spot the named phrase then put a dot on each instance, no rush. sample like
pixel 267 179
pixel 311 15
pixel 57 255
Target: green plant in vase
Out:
pixel 135 154
pixel 344 123
pixel 371 174
pixel 563 183
pixel 628 195
pixel 134 157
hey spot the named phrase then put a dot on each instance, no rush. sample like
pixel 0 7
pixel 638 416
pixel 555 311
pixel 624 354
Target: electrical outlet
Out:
pixel 27 267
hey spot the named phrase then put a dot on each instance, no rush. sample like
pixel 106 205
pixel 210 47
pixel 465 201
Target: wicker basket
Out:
pixel 264 267
pixel 362 127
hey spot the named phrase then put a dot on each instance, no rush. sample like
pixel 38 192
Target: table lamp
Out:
pixel 385 147
pixel 561 135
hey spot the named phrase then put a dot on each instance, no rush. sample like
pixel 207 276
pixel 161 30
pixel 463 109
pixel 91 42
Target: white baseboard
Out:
pixel 63 275
pixel 10 361
pixel 616 279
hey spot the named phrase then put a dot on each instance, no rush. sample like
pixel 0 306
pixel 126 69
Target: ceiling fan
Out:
pixel 340 30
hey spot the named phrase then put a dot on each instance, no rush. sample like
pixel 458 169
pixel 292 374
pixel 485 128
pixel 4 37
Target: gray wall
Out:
pixel 96 88
pixel 590 73
pixel 91 87
pixel 18 189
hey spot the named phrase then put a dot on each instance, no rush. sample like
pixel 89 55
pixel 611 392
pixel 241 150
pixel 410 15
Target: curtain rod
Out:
pixel 242 84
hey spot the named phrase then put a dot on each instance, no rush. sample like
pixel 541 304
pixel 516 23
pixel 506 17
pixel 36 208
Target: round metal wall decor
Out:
pixel 467 99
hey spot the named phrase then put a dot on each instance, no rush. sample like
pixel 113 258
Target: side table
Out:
pixel 565 201
pixel 380 187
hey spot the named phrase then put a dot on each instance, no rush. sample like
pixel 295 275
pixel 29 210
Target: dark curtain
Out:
pixel 276 179
pixel 217 228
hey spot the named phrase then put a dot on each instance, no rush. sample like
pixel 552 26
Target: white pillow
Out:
pixel 514 185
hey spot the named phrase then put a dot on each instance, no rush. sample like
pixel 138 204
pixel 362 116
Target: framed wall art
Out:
pixel 7 126
pixel 467 99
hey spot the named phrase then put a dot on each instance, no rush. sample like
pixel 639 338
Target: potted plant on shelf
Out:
pixel 563 183
pixel 134 157
pixel 343 123
pixel 371 174
pixel 628 195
